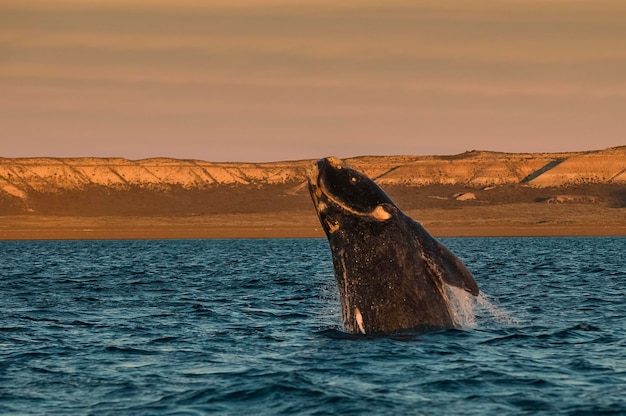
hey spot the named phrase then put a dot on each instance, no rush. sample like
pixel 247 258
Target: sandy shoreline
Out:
pixel 505 221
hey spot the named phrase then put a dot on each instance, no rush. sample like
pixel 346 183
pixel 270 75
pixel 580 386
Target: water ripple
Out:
pixel 239 326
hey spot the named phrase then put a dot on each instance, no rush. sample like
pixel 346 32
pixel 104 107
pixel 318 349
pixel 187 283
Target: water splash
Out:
pixel 497 313
pixel 465 308
pixel 462 307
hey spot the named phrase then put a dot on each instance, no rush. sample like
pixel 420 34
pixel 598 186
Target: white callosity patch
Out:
pixel 332 225
pixel 335 162
pixel 359 320
pixel 380 213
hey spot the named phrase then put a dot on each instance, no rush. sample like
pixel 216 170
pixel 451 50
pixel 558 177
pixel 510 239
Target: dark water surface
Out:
pixel 253 327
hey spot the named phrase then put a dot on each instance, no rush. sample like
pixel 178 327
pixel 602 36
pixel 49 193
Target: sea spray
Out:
pixel 461 306
pixel 497 313
pixel 464 307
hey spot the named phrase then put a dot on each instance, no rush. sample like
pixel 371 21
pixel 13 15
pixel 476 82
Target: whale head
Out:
pixel 341 193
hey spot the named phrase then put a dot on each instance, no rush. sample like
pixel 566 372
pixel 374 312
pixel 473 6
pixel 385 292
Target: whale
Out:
pixel 391 274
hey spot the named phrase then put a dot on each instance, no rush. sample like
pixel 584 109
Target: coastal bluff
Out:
pixel 475 193
pixel 21 177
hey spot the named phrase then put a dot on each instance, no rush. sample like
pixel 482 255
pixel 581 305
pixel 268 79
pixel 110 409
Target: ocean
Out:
pixel 193 327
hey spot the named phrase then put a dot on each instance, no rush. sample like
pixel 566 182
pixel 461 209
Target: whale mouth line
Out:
pixel 315 179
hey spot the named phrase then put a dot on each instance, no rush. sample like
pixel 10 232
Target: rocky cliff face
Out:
pixel 18 177
pixel 481 169
pixel 27 185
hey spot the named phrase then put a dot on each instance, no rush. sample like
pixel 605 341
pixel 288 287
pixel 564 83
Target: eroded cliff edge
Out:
pixel 160 186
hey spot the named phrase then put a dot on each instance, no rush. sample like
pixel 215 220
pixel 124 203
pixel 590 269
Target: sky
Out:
pixel 271 80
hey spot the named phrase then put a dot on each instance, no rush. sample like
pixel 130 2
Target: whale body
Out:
pixel 391 273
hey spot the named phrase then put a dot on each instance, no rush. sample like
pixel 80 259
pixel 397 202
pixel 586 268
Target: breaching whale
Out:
pixel 391 273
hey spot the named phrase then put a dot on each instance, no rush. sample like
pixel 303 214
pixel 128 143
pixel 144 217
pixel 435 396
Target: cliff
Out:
pixel 113 186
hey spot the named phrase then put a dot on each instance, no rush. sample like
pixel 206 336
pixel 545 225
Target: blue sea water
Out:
pixel 191 327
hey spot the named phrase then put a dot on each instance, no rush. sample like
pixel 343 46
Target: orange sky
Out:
pixel 272 80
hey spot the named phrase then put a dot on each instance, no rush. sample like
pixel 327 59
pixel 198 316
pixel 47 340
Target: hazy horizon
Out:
pixel 270 80
pixel 293 159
